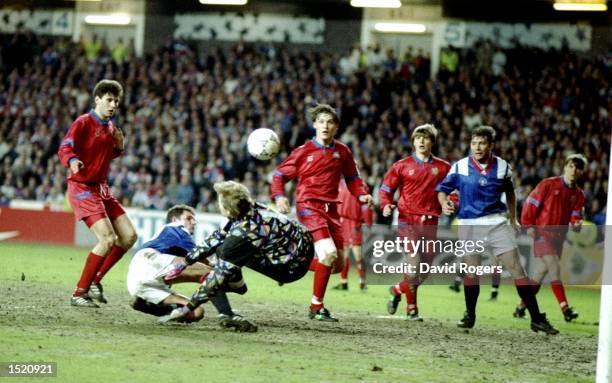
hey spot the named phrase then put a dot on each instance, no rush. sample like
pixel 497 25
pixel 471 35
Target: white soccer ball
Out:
pixel 263 144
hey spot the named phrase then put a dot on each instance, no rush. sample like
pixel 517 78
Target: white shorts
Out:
pixel 145 278
pixel 494 230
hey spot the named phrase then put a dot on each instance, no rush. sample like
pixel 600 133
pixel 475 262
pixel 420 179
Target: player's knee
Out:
pixel 554 272
pixel 106 242
pixel 326 251
pixel 128 240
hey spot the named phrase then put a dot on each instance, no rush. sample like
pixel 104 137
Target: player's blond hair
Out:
pixel 323 108
pixel 426 130
pixel 234 197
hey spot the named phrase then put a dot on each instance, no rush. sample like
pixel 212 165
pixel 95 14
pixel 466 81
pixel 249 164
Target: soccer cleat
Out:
pixel 237 323
pixel 322 315
pixel 519 312
pixel 393 301
pixel 569 314
pixel 467 321
pixel 341 286
pixel 413 316
pixel 83 301
pixel 494 295
pixel 543 325
pixel 455 287
pixel 97 292
pixel 176 315
pixel 363 287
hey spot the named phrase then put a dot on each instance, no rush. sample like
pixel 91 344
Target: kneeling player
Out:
pixel 268 243
pixel 153 267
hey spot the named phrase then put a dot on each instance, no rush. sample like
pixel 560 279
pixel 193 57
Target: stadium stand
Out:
pixel 188 110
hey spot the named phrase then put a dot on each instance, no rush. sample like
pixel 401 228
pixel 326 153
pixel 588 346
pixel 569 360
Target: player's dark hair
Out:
pixel 234 197
pixel 484 131
pixel 323 108
pixel 177 210
pixel 108 86
pixel 578 160
pixel 427 130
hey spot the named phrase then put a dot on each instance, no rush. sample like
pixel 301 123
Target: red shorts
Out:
pixel 351 231
pixel 548 244
pixel 322 220
pixel 93 200
pixel 418 227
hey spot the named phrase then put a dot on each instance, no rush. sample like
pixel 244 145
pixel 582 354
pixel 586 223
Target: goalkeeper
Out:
pixel 264 241
pixel 152 270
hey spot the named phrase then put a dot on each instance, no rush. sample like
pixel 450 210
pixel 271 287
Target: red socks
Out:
pixel 557 288
pixel 92 264
pixel 321 278
pixel 345 269
pixel 113 256
pixel 410 291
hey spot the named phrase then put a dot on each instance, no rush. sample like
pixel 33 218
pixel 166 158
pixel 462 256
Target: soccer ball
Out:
pixel 263 144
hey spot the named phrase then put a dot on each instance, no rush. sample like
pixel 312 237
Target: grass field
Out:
pixel 117 344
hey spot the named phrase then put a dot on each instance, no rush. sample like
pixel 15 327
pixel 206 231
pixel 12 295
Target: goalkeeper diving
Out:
pixel 262 240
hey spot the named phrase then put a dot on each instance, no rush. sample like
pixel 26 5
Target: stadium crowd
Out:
pixel 187 111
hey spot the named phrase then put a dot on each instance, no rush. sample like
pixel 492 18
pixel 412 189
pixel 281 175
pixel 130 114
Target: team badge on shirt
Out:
pixel 336 156
pixel 309 159
pixel 435 171
pixel 557 192
pixel 411 172
pixel 482 181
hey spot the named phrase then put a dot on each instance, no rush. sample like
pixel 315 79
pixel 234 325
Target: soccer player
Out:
pixel 555 203
pixel 259 239
pixel 318 165
pixel 153 267
pixel 481 178
pixel 416 177
pixel 352 215
pixel 90 144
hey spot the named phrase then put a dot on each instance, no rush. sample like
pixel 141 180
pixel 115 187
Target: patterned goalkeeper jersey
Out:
pixel 266 234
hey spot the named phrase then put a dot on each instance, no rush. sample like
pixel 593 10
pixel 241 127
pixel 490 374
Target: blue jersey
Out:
pixel 480 190
pixel 172 239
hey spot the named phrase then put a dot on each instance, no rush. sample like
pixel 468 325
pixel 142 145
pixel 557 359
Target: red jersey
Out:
pixel 417 181
pixel 318 169
pixel 552 202
pixel 351 208
pixel 90 139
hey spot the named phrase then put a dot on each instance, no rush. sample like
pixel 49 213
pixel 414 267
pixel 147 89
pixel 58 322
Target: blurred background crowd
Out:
pixel 187 112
